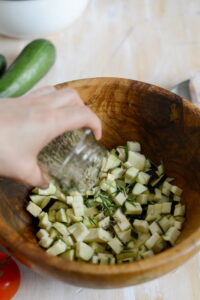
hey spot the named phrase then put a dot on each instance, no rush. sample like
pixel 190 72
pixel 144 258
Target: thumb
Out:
pixel 34 176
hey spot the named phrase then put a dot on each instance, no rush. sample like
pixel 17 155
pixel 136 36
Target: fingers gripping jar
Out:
pixel 73 160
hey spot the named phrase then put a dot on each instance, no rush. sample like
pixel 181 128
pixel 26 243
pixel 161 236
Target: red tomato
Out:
pixel 9 277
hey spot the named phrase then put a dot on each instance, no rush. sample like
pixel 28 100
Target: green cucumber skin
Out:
pixel 29 67
pixel 2 64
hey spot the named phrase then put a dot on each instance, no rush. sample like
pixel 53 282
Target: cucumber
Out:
pixel 2 64
pixel 28 68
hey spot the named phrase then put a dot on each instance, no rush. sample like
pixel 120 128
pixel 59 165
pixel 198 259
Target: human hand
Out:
pixel 30 122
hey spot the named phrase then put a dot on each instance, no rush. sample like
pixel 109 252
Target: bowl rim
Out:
pixel 179 253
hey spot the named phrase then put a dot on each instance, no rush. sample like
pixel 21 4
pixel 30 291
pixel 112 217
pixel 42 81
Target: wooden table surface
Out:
pixel 156 41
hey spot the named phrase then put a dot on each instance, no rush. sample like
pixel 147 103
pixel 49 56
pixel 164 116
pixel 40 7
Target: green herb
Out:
pixel 91 220
pixel 107 205
pixel 121 187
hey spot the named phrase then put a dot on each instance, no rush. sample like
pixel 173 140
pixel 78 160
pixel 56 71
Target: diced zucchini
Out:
pixel 70 215
pixel 90 212
pixel 142 238
pixel 154 227
pixel 116 245
pixel 53 233
pixel 68 240
pixel 125 236
pixel 61 216
pixel 139 189
pixel 134 146
pixel 127 165
pixel 164 199
pixel 102 175
pixel 137 160
pixel 58 205
pixel 112 162
pixel 179 210
pixel 180 219
pixel 176 190
pixel 171 235
pixel 147 165
pixel 98 248
pixel 100 216
pixel 95 259
pixel 131 174
pixel 177 198
pixel 143 178
pixel 98 235
pixel 133 209
pixel 52 215
pixel 160 169
pixel 178 225
pixel 79 231
pixel 61 228
pixel 104 258
pixel 171 220
pixel 69 200
pixel 33 209
pixel 158 195
pixel 166 188
pixel 141 225
pixel 78 206
pixel 151 242
pixel 117 173
pixel 121 220
pixel 127 254
pixel 166 208
pixel 45 242
pixel 142 199
pixel 120 198
pixel 148 253
pixel 126 260
pixel 44 221
pixel 69 254
pixel 159 245
pixel 90 222
pixel 37 199
pixel 51 190
pixel 156 181
pixel 42 233
pixel 84 251
pixel 154 209
pixel 121 153
pixel 60 196
pixel 112 260
pixel 104 223
pixel 164 223
pixel 57 248
pixel 131 244
pixel 117 228
pixel 108 186
pixel 45 202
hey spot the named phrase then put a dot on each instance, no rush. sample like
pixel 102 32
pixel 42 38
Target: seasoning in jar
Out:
pixel 73 160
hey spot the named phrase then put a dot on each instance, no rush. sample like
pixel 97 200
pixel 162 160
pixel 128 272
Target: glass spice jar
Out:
pixel 73 160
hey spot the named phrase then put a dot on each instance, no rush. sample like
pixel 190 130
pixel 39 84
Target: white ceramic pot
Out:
pixel 37 18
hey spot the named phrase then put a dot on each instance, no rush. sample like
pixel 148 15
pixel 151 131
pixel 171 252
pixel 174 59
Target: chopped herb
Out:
pixel 91 220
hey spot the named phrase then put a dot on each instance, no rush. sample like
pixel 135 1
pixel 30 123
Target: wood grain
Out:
pixel 166 126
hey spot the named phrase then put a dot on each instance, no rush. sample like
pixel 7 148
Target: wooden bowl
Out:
pixel 168 128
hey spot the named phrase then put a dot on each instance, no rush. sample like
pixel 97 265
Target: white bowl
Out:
pixel 37 18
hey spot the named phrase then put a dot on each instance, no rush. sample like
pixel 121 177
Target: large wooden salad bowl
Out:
pixel 168 129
